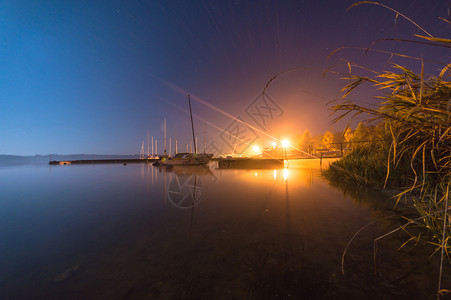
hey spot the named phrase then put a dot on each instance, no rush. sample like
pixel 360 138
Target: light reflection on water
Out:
pixel 137 231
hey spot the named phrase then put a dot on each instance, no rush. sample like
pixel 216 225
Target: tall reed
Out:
pixel 415 111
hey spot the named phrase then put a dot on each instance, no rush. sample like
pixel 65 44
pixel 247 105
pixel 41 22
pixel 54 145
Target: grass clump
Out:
pixel 361 166
pixel 366 164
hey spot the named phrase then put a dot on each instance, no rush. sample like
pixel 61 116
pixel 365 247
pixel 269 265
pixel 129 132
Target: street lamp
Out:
pixel 256 149
pixel 285 144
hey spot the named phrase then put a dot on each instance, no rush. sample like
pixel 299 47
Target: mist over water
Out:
pixel 137 231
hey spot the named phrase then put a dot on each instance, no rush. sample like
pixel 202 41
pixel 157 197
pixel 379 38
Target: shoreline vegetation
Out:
pixel 411 142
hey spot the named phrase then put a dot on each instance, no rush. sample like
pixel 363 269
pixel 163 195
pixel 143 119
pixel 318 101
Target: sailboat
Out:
pixel 188 158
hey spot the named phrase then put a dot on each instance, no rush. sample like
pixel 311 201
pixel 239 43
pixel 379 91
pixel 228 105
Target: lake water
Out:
pixel 142 232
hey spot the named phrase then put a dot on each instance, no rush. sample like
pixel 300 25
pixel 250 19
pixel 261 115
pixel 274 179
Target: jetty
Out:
pixel 103 161
pixel 249 163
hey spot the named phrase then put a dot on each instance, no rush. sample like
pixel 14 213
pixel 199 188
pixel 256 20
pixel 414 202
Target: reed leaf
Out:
pixel 435 39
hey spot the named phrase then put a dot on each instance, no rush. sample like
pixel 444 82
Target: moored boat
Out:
pixel 187 159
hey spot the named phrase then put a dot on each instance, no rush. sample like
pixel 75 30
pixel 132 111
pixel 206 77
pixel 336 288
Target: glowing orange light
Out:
pixel 285 143
pixel 256 149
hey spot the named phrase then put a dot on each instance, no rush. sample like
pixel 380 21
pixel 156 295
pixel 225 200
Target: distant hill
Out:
pixel 11 160
pixel 7 160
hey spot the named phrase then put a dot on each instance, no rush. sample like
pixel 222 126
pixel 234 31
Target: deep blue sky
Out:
pixel 93 76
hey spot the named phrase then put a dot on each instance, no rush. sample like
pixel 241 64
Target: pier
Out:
pixel 103 161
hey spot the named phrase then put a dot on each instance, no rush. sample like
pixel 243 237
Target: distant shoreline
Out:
pixel 12 160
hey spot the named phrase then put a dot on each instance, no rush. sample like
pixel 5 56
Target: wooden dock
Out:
pixel 249 163
pixel 102 161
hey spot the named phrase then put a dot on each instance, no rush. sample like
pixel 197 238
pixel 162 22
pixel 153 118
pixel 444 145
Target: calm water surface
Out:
pixel 137 231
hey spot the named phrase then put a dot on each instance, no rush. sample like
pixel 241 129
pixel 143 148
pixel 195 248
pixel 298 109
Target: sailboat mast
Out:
pixel 164 136
pixel 205 140
pixel 192 124
pixel 141 155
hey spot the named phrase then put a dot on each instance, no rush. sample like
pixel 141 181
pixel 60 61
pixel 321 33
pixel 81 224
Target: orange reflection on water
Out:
pixel 285 174
pixel 297 176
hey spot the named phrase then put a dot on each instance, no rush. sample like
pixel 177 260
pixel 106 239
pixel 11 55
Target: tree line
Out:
pixel 330 141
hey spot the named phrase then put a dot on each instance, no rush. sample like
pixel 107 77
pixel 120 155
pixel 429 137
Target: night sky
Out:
pixel 94 76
